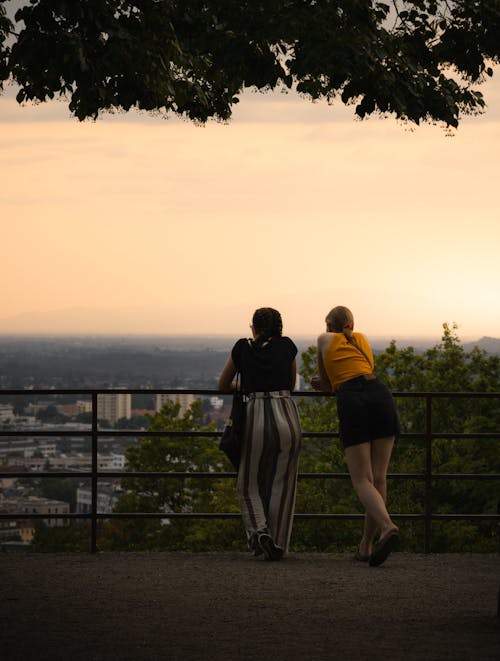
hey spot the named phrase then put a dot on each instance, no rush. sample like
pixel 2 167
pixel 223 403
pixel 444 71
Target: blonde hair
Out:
pixel 340 320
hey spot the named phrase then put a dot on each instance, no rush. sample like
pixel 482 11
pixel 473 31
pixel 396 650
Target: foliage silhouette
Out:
pixel 418 61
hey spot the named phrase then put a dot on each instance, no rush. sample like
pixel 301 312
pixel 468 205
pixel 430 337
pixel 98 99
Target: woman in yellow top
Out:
pixel 368 424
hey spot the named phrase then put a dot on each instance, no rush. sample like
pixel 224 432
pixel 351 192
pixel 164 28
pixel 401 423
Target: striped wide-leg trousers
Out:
pixel 267 476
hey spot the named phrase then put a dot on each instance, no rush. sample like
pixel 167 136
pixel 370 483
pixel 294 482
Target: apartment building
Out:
pixel 36 505
pixel 112 407
pixel 182 398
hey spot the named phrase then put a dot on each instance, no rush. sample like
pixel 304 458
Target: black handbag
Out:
pixel 231 441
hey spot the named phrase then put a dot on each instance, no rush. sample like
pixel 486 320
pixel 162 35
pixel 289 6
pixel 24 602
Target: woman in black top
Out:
pixel 267 475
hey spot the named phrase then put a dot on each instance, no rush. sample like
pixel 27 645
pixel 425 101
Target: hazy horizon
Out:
pixel 152 321
pixel 220 337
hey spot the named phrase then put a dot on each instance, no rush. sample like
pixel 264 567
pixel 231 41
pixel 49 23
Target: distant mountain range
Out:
pixel 488 344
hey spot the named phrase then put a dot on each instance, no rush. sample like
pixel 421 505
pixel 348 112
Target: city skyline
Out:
pixel 137 225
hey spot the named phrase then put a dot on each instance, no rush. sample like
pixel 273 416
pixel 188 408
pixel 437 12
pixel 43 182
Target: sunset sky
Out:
pixel 134 224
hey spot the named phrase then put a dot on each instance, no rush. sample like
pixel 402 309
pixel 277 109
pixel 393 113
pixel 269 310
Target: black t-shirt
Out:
pixel 265 368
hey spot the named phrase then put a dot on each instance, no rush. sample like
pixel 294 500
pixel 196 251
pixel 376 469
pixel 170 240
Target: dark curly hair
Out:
pixel 267 324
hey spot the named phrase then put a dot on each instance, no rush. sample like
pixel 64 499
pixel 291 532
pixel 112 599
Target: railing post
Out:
pixel 428 473
pixel 94 466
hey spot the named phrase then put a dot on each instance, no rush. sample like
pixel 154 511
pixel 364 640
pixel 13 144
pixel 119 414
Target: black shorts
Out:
pixel 366 411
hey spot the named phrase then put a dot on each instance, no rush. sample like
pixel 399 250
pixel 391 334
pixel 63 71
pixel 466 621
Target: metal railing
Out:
pixel 428 476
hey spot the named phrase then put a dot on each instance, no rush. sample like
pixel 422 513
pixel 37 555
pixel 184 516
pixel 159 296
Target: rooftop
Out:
pixel 211 606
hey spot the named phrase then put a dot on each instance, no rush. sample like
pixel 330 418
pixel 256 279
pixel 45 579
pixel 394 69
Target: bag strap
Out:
pixel 356 345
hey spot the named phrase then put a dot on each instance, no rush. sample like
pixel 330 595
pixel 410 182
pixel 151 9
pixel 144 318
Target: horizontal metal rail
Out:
pixel 206 391
pixel 236 515
pixel 308 476
pixel 95 474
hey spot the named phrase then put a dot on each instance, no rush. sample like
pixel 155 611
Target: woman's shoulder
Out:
pixel 239 346
pixel 288 342
pixel 324 340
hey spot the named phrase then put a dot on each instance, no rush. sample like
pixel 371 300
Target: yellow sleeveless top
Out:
pixel 342 361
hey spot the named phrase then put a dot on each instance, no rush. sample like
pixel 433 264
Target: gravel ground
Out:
pixel 211 606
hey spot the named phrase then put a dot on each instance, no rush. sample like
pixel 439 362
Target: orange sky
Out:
pixel 134 224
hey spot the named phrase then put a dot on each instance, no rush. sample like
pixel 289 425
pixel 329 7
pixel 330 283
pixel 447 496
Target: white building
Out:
pixel 216 403
pixel 27 447
pixel 72 462
pixel 112 462
pixel 112 407
pixel 184 399
pixel 106 499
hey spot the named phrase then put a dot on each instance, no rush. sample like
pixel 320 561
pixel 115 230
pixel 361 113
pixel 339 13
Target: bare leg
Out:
pixel 381 450
pixel 367 465
pixel 369 532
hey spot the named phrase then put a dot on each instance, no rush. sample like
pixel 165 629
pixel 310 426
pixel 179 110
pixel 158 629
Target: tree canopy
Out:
pixel 417 61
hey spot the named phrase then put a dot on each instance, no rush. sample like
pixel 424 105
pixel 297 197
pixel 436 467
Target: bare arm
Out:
pixel 227 375
pixel 322 382
pixel 293 376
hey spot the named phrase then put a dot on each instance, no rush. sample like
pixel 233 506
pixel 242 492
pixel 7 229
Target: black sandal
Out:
pixel 384 547
pixel 270 549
